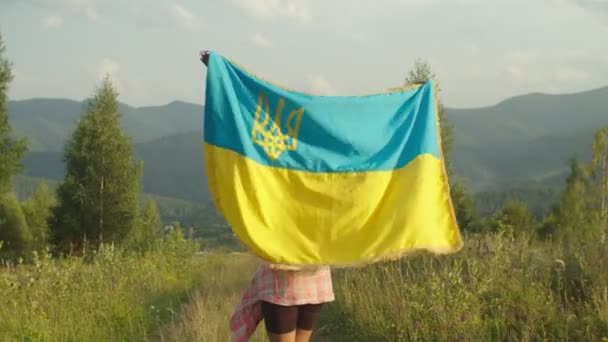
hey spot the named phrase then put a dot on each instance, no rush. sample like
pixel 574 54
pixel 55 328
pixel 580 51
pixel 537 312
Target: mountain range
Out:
pixel 522 140
pixel 526 139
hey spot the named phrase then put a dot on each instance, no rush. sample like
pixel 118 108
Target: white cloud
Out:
pixel 77 4
pixel 89 13
pixel 541 68
pixel 525 66
pixel 184 19
pixel 571 75
pixel 260 40
pixel 523 56
pixel 515 72
pixel 82 8
pixel 131 89
pixel 297 10
pixel 21 76
pixel 417 2
pixel 320 86
pixel 108 67
pixel 92 15
pixel 593 5
pixel 470 2
pixel 474 48
pixel 111 68
pixel 521 74
pixel 578 54
pixel 52 21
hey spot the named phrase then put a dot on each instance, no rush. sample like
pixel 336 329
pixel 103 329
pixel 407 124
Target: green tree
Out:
pixel 464 206
pixel 14 232
pixel 582 213
pixel 176 243
pixel 599 176
pixel 98 197
pixel 38 210
pixel 12 150
pixel 147 232
pixel 515 217
pixel 462 199
pixel 572 212
pixel 420 73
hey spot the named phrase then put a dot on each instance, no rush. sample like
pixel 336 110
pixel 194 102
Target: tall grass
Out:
pixel 499 289
pixel 206 314
pixel 114 296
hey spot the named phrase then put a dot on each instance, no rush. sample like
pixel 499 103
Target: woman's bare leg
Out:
pixel 289 337
pixel 303 335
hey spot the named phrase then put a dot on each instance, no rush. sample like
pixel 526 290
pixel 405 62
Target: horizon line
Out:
pixel 588 90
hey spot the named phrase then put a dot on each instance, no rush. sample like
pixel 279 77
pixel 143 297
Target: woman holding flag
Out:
pixel 319 181
pixel 287 300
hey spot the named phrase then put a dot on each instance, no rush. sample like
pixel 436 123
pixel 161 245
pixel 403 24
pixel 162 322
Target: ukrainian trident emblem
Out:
pixel 269 134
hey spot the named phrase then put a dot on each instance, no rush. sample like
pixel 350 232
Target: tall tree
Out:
pixel 583 209
pixel 37 212
pixel 516 217
pixel 572 212
pixel 12 150
pixel 14 233
pixel 599 174
pixel 98 197
pixel 147 232
pixel 466 213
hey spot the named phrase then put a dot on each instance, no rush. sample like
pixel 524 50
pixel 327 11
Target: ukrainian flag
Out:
pixel 326 180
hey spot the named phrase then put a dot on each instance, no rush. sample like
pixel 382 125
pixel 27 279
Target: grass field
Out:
pixel 498 289
pixel 111 296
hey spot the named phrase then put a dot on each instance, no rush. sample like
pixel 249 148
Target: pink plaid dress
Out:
pixel 279 287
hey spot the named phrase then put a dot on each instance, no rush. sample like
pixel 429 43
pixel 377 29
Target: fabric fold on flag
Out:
pixel 307 180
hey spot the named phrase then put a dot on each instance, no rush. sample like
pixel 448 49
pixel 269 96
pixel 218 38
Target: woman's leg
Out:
pixel 307 317
pixel 280 322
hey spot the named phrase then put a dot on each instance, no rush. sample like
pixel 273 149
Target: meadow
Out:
pixel 499 288
pixel 112 295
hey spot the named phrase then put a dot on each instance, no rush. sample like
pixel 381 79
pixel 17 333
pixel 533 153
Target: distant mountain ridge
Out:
pixel 524 139
pixel 528 137
pixel 48 122
pixel 173 166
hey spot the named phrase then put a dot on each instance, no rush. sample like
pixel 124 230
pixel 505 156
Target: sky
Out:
pixel 482 51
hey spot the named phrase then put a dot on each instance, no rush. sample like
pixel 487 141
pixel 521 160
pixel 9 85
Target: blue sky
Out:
pixel 483 51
